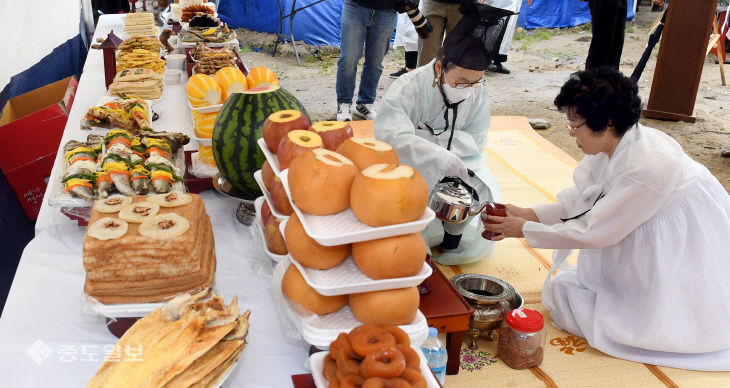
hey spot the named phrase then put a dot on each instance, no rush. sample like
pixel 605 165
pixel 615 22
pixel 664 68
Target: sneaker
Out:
pixel 398 73
pixel 343 112
pixel 366 111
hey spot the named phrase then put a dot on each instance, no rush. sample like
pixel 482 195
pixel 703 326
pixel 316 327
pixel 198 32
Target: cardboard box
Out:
pixel 31 127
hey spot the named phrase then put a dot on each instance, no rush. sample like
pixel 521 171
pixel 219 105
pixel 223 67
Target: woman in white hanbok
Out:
pixel 652 283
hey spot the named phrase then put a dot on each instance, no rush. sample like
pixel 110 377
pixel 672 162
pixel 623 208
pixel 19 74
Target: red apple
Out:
pixel 295 143
pixel 274 240
pixel 278 124
pixel 267 174
pixel 278 195
pixel 333 133
pixel 265 212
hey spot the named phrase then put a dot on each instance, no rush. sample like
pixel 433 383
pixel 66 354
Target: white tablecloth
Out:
pixel 45 338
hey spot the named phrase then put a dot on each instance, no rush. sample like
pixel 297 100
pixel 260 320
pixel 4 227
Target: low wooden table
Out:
pixel 446 310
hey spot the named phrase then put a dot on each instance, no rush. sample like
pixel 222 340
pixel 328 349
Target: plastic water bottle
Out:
pixel 435 353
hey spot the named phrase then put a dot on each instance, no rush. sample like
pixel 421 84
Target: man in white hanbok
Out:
pixel 652 226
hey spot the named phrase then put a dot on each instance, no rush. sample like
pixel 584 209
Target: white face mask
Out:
pixel 454 95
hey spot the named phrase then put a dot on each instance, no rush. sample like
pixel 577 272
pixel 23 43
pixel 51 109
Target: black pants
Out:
pixel 411 59
pixel 608 18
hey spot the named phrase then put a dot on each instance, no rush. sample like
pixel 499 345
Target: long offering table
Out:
pixel 49 341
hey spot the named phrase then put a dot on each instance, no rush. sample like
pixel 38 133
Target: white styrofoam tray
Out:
pixel 260 225
pixel 345 228
pixel 260 180
pixel 128 310
pixel 316 363
pixel 321 330
pixel 272 158
pixel 205 109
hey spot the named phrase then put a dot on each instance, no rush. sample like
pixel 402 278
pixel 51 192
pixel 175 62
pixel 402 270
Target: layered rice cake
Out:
pixel 148 249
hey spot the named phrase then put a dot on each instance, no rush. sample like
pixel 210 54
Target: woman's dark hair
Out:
pixel 603 97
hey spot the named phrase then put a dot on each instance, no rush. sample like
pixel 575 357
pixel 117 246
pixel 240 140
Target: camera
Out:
pixel 410 7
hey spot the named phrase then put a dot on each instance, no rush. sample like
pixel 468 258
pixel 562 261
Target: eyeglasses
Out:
pixel 463 85
pixel 572 128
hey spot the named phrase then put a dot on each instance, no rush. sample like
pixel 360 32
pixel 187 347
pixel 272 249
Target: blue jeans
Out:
pixel 362 26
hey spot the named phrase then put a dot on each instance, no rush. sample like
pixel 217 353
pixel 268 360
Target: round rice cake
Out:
pixel 171 199
pixel 108 228
pixel 138 212
pixel 164 226
pixel 112 204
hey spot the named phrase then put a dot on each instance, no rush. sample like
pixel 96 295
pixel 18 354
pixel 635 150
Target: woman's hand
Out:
pixel 511 225
pixel 522 212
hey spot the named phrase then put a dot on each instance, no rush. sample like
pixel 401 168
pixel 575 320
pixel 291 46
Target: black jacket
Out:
pixel 379 5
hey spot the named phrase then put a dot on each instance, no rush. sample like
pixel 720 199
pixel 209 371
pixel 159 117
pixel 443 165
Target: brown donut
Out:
pixel 329 369
pixel 385 362
pixel 401 337
pixel 379 382
pixel 348 362
pixel 338 343
pixel 334 383
pixel 414 378
pixel 413 360
pixel 367 338
pixel 352 381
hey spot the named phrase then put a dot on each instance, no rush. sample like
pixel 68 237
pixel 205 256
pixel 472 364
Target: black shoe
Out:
pixel 398 73
pixel 498 68
pixel 726 153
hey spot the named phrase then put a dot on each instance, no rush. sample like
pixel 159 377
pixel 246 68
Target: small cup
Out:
pixel 497 210
pixel 175 61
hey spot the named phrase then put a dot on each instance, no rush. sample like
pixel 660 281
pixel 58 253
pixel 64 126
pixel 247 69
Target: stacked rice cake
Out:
pixel 143 83
pixel 144 253
pixel 140 23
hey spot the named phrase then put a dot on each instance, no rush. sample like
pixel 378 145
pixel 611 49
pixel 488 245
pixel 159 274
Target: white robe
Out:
pixel 413 99
pixel 652 283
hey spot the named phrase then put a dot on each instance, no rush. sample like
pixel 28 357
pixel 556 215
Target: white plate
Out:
pixel 316 363
pixel 204 109
pixel 129 310
pixel 203 142
pixel 347 278
pixel 272 158
pixel 260 225
pixel 260 180
pixel 344 227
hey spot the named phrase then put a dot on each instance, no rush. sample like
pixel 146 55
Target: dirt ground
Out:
pixel 540 61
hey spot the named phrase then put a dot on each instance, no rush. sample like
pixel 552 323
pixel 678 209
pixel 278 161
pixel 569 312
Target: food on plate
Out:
pixel 274 239
pixel 320 181
pixel 366 152
pixel 203 123
pixel 387 194
pixel 231 80
pixel 171 199
pixel 140 23
pixel 297 290
pixel 333 133
pixel 108 228
pixel 191 341
pixel 80 177
pixel 386 307
pixel 142 83
pixel 267 175
pixel 278 124
pixel 307 251
pixel 390 257
pixel 111 204
pixel 369 356
pixel 203 20
pixel 149 43
pixel 203 90
pixel 294 143
pixel 237 130
pixel 279 197
pixel 151 263
pixel 210 62
pixel 192 10
pixel 129 113
pixel 140 58
pixel 261 76
pixel 138 212
pixel 218 34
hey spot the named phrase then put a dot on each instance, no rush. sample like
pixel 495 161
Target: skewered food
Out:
pixel 211 61
pixel 129 113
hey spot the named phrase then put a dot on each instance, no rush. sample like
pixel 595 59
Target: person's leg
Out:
pixel 411 60
pixel 353 25
pixel 453 15
pixel 617 37
pixel 602 23
pixel 377 40
pixel 428 48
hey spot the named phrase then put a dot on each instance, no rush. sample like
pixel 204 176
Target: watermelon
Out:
pixel 239 125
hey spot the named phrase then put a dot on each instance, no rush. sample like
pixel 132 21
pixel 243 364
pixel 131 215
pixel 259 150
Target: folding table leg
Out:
pixel 291 30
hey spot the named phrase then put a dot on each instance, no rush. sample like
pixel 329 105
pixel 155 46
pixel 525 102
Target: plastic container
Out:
pixel 272 158
pixel 522 338
pixel 260 226
pixel 435 354
pixel 260 180
pixel 205 150
pixel 173 76
pixel 316 363
pixel 345 228
pixel 175 61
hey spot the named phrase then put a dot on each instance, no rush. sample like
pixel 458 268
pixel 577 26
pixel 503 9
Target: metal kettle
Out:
pixel 456 201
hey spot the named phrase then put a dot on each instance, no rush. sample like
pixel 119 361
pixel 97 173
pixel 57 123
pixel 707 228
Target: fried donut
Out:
pixel 367 338
pixel 413 360
pixel 384 362
pixel 334 383
pixel 401 337
pixel 348 362
pixel 338 343
pixel 329 369
pixel 379 382
pixel 414 378
pixel 352 381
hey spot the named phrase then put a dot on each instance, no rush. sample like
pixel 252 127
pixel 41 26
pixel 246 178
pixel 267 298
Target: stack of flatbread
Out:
pixel 143 83
pixel 191 341
pixel 149 43
pixel 148 249
pixel 141 58
pixel 140 23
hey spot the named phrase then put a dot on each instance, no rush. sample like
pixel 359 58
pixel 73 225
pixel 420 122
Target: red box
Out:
pixel 31 126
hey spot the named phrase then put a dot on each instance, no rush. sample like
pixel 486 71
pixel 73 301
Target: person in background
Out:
pixel 369 23
pixel 506 37
pixel 652 227
pixel 443 16
pixel 406 36
pixel 608 20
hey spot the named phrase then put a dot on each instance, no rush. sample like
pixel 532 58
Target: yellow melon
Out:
pixel 203 90
pixel 231 80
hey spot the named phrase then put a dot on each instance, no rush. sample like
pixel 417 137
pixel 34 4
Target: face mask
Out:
pixel 454 95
